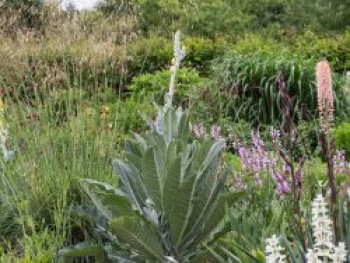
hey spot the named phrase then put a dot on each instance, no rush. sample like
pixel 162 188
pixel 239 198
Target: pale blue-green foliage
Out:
pixel 170 197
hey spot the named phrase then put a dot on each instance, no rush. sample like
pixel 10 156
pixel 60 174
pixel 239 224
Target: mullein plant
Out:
pixel 170 202
pixel 326 115
pixel 4 134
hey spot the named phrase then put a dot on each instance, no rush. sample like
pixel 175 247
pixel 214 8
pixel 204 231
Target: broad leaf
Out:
pixel 140 235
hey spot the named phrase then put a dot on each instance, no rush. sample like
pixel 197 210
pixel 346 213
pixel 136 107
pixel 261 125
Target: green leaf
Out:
pixel 131 184
pixel 109 201
pixel 140 235
pixel 177 200
pixel 152 180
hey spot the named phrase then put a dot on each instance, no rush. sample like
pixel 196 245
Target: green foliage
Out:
pixel 333 48
pixel 200 52
pixel 156 85
pixel 199 18
pixel 170 196
pixel 251 78
pixel 149 55
pixel 161 16
pixel 56 141
pixel 203 19
pixel 247 85
pixel 342 138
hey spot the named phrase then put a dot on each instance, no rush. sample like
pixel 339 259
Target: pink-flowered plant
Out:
pixel 324 94
pixel 215 132
pixel 199 131
pixel 283 187
pixel 256 159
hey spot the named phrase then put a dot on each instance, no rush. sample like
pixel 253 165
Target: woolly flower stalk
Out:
pixel 324 94
pixel 179 56
pixel 274 251
pixel 323 249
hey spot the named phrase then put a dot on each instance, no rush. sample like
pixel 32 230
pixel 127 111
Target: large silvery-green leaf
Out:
pixel 187 191
pixel 140 235
pixel 151 178
pixel 109 201
pixel 205 170
pixel 130 184
pixel 177 199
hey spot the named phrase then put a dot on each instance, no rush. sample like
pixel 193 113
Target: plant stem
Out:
pixel 333 187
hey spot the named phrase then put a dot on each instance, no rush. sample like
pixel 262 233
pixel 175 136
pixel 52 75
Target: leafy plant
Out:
pixel 156 84
pixel 247 84
pixel 170 197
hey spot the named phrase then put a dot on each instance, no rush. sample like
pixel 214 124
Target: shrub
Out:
pixel 148 55
pixel 151 54
pixel 204 21
pixel 156 84
pixel 200 52
pixel 335 49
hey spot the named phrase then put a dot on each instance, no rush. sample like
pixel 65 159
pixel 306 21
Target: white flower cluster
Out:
pixel 274 251
pixel 179 55
pixel 323 249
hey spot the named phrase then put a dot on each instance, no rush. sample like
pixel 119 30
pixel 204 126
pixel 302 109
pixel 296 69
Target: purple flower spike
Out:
pixel 215 132
pixel 283 187
pixel 199 131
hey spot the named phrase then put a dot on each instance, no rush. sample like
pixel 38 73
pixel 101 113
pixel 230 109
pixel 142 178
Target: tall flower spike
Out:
pixel 324 248
pixel 179 55
pixel 325 94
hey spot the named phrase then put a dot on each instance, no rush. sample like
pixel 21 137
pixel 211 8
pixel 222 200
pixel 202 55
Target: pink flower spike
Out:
pixel 324 94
